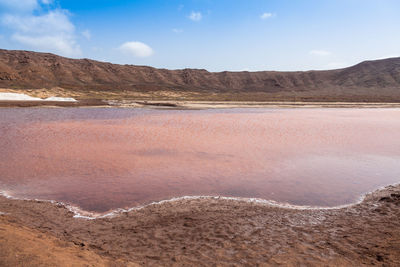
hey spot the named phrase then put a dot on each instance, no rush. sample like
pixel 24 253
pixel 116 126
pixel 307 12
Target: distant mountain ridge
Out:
pixel 377 80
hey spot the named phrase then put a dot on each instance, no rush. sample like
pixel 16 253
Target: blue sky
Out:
pixel 215 35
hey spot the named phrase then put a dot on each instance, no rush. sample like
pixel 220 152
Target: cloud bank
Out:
pixel 49 31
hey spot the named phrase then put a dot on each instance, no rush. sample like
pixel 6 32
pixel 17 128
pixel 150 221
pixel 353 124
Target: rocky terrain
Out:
pixel 46 74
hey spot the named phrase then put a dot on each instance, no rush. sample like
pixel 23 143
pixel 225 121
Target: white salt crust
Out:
pixel 24 97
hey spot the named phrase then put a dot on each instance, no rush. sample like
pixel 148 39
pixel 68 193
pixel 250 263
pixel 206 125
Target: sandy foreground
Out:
pixel 204 232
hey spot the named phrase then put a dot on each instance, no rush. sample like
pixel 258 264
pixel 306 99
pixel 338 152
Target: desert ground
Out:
pixel 204 232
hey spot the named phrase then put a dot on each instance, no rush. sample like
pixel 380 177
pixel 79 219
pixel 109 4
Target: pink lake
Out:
pixel 106 158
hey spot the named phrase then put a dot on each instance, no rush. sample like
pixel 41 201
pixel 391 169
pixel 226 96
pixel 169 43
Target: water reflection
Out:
pixel 101 159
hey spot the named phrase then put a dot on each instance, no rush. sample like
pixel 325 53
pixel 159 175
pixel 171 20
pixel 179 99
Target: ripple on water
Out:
pixel 105 159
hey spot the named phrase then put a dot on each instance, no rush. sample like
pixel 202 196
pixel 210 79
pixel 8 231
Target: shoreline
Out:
pixel 190 105
pixel 80 213
pixel 364 233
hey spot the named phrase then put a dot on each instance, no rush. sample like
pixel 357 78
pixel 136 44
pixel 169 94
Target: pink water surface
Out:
pixel 105 158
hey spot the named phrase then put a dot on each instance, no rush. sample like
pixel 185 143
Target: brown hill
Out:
pixel 377 81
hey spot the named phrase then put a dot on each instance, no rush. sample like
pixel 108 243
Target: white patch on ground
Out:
pixel 24 97
pixel 56 98
pixel 18 97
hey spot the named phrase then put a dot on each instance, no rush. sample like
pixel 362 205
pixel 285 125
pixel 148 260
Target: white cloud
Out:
pixel 136 49
pixel 57 43
pixel 177 30
pixel 47 2
pixel 266 15
pixel 320 53
pixel 195 16
pixel 87 34
pixel 20 5
pixel 50 32
pixel 56 21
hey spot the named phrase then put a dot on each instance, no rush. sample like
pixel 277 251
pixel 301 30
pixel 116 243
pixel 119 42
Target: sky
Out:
pixel 217 35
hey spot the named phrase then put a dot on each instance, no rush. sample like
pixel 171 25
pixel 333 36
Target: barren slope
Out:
pixel 368 81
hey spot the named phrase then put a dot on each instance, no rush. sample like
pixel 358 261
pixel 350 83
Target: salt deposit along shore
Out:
pixel 204 232
pixel 24 97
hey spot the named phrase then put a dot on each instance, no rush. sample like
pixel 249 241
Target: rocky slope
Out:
pixel 368 81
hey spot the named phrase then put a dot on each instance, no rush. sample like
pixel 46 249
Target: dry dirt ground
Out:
pixel 204 232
